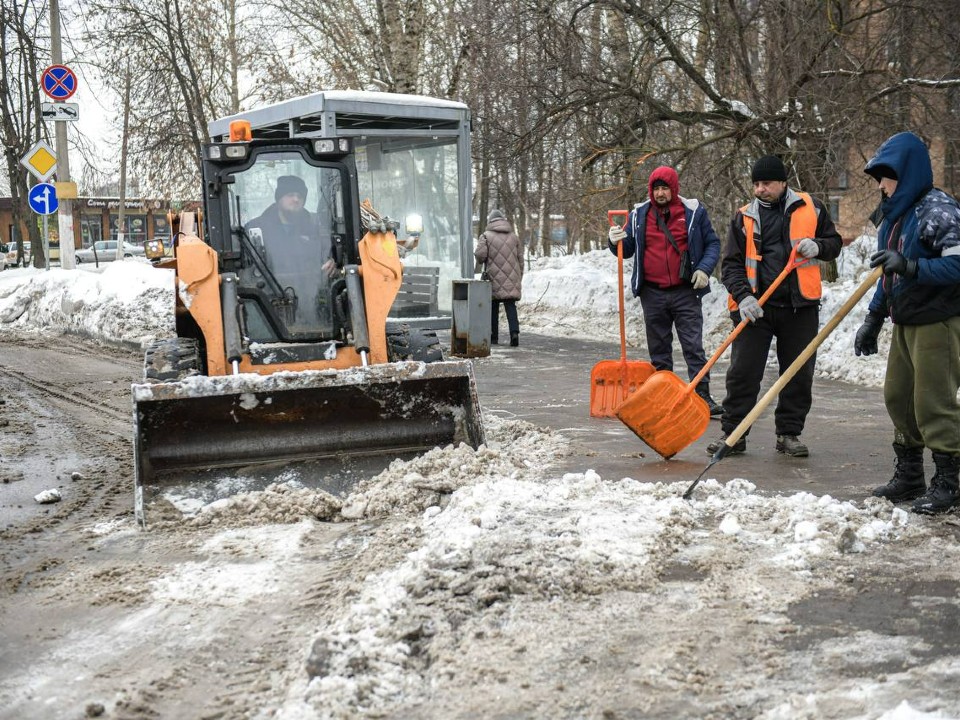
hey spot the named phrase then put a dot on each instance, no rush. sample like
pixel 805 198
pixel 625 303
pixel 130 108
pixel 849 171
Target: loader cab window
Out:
pixel 293 215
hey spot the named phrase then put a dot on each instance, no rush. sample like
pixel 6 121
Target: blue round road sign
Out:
pixel 43 199
pixel 59 82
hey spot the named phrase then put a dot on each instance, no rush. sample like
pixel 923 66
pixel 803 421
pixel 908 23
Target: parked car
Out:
pixel 11 254
pixel 106 251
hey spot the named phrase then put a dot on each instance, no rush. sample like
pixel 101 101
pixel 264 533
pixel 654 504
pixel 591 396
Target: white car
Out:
pixel 106 251
pixel 11 255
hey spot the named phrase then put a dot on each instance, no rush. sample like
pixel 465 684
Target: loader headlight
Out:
pixel 413 224
pixel 330 146
pixel 220 153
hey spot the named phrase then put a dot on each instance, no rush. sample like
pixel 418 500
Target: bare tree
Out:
pixel 21 24
pixel 187 58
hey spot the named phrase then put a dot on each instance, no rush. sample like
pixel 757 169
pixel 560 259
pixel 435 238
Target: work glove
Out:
pixel 616 234
pixel 894 262
pixel 750 309
pixel 808 248
pixel 700 280
pixel 865 342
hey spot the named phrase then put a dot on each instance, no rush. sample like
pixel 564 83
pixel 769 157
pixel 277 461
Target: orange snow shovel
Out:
pixel 612 381
pixel 665 412
pixel 810 349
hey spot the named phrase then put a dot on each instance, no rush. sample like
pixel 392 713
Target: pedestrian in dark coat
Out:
pixel 502 252
pixel 670 295
pixel 762 234
pixel 919 248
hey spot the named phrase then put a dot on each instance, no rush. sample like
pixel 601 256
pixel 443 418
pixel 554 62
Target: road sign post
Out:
pixel 42 198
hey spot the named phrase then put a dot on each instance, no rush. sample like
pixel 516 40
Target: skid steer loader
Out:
pixel 284 356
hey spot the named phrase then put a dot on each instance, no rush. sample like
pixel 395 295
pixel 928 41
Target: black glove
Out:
pixel 866 340
pixel 894 262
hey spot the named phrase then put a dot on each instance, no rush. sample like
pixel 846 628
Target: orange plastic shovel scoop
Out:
pixel 612 381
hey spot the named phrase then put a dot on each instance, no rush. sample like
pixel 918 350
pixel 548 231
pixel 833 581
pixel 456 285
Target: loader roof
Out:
pixel 334 113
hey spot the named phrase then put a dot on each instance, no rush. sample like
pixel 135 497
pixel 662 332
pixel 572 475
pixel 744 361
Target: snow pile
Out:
pixel 515 449
pixel 129 301
pixel 505 549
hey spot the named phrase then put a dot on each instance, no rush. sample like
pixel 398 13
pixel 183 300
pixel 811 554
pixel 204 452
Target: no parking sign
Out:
pixel 59 82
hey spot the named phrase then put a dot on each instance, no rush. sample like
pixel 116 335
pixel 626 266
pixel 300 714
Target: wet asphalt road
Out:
pixel 546 381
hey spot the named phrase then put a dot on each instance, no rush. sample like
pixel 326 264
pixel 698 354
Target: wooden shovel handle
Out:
pixel 809 350
pixel 792 263
pixel 611 218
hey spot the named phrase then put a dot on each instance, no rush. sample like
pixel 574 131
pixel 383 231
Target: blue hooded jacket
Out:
pixel 927 224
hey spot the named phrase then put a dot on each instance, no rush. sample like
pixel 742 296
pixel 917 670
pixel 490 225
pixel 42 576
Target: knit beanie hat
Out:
pixel 769 167
pixel 287 184
pixel 496 214
pixel 660 182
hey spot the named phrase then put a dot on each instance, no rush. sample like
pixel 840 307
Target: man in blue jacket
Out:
pixel 919 249
pixel 676 251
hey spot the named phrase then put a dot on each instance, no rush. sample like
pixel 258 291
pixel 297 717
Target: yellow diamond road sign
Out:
pixel 40 160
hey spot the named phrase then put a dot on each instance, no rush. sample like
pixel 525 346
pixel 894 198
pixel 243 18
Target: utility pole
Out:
pixel 121 213
pixel 65 212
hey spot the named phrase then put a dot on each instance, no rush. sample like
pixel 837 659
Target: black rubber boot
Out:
pixel 907 482
pixel 703 390
pixel 514 339
pixel 944 492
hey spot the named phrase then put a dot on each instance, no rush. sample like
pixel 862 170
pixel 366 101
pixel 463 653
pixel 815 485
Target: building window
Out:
pixel 834 203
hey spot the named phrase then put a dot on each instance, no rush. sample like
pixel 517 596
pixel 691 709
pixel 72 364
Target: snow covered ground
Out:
pixel 524 586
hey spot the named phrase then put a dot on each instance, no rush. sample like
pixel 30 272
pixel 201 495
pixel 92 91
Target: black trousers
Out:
pixel 793 328
pixel 513 323
pixel 662 311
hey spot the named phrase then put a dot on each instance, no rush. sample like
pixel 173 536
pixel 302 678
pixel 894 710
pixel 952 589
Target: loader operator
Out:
pixel 759 243
pixel 297 252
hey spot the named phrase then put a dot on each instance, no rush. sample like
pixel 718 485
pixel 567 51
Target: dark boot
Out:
pixel 703 390
pixel 944 492
pixel 907 482
pixel 514 339
pixel 792 445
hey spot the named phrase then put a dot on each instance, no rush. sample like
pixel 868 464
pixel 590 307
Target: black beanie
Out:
pixel 769 167
pixel 660 182
pixel 496 214
pixel 287 184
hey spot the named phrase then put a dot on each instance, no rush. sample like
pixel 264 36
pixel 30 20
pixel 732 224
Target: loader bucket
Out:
pixel 204 438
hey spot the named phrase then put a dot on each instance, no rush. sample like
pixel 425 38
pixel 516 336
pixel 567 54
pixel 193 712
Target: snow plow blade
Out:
pixel 205 437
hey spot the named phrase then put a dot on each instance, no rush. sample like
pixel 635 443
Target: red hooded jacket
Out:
pixel 661 263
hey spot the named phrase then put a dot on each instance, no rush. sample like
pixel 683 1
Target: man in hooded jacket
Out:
pixel 661 232
pixel 919 249
pixel 501 251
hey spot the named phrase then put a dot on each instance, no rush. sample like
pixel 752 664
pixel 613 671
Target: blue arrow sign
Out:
pixel 43 199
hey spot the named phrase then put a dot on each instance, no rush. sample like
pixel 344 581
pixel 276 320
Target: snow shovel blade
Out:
pixel 665 413
pixel 611 381
pixel 188 431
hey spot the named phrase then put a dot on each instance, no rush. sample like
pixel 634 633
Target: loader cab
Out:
pixel 283 217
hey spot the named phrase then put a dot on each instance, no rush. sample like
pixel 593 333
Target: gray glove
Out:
pixel 700 280
pixel 808 248
pixel 616 234
pixel 750 309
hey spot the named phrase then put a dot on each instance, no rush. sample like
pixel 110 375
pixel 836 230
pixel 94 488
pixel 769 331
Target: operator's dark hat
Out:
pixel 659 182
pixel 496 214
pixel 769 167
pixel 287 184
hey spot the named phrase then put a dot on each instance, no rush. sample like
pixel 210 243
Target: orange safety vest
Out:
pixel 803 224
